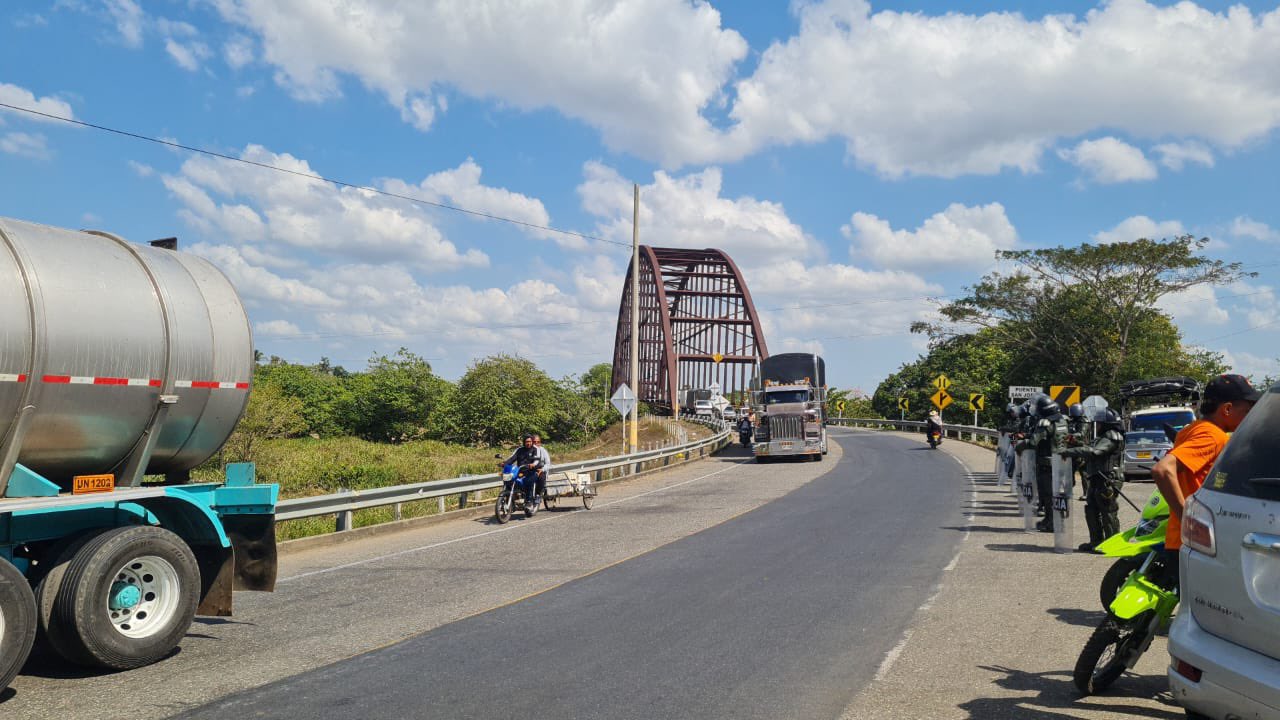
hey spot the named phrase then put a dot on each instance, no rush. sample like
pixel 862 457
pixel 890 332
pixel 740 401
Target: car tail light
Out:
pixel 1197 528
pixel 1187 670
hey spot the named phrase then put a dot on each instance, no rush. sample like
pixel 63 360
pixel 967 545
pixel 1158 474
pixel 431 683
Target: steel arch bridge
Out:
pixel 698 326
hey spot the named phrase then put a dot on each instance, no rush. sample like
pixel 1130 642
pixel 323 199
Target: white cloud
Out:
pixel 276 327
pixel 461 187
pixel 141 169
pixel 1140 227
pixel 24 144
pixel 22 97
pixel 958 93
pixel 688 211
pixel 641 71
pixel 187 55
pixel 957 236
pixel 238 51
pixel 1256 366
pixel 1175 156
pixel 1198 304
pixel 1109 160
pixel 1246 227
pixel 1259 304
pixel 128 18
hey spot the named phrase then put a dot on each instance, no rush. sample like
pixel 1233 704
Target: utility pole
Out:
pixel 635 314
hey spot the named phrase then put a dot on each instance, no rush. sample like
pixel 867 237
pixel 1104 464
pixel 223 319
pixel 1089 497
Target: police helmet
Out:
pixel 1046 407
pixel 1108 417
pixel 1076 411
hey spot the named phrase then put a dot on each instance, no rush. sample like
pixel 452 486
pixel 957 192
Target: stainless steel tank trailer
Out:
pixel 119 361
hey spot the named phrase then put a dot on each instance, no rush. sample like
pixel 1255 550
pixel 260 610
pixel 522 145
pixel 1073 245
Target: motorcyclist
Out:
pixel 1102 478
pixel 745 430
pixel 933 425
pixel 1047 437
pixel 545 467
pixel 528 460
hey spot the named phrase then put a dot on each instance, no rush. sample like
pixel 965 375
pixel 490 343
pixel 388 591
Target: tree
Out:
pixel 324 398
pixel 584 404
pixel 1083 312
pixel 397 399
pixel 270 414
pixel 501 397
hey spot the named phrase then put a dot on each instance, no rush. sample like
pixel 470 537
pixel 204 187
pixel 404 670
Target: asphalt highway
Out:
pixel 785 608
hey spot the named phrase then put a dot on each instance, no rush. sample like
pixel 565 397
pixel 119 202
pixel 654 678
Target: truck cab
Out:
pixel 791 407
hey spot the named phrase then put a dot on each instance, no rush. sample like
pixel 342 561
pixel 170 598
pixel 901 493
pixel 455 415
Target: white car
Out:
pixel 1224 646
pixel 729 414
pixel 703 408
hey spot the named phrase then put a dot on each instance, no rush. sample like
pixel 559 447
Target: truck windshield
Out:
pixel 1177 419
pixel 786 396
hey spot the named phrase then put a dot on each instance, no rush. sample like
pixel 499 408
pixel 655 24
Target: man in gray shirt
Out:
pixel 545 457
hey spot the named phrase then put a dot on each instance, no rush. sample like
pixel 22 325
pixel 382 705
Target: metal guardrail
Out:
pixel 957 431
pixel 343 504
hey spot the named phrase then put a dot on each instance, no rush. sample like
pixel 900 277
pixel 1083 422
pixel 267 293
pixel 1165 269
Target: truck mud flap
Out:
pixel 253 538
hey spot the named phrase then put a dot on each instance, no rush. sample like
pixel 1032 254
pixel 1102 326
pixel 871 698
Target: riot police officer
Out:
pixel 1102 478
pixel 1048 437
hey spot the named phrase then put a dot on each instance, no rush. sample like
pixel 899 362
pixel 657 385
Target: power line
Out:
pixel 311 176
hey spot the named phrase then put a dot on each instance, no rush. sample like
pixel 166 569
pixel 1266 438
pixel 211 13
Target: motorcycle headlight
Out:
pixel 1146 527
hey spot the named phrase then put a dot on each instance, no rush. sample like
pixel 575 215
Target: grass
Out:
pixel 304 467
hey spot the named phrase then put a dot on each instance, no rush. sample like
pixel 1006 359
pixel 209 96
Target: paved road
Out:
pixel 784 611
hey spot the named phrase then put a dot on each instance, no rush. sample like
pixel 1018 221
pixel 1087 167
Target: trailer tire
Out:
pixel 17 622
pixel 126 599
pixel 53 567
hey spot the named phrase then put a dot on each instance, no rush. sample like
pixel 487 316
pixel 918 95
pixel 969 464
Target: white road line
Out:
pixel 432 546
pixel 891 657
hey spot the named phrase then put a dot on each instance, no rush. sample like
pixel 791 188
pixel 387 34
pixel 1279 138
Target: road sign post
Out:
pixel 624 401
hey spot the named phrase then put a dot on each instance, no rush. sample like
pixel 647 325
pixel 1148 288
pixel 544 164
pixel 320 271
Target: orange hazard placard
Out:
pixel 82 484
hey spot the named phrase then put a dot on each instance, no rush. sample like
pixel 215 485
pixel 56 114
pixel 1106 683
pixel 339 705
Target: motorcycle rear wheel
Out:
pixel 1102 661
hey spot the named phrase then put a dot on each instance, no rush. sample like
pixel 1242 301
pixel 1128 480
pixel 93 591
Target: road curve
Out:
pixel 784 611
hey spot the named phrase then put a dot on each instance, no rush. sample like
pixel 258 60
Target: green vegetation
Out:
pixel 1083 315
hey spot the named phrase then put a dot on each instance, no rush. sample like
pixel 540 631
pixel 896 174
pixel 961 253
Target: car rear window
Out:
pixel 1177 419
pixel 1250 466
pixel 1146 437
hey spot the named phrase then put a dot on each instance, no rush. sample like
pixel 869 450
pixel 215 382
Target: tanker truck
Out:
pixel 790 399
pixel 119 361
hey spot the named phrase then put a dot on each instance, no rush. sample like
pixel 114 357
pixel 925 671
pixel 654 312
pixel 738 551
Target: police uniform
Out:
pixel 1102 482
pixel 1048 437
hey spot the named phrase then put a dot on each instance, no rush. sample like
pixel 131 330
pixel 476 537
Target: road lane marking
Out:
pixel 442 543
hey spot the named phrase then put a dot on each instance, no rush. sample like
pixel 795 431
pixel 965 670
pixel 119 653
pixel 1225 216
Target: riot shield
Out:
pixel 1016 475
pixel 1002 450
pixel 1027 488
pixel 1063 480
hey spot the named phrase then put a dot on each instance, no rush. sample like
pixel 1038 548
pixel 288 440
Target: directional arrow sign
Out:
pixel 941 399
pixel 1065 395
pixel 623 399
pixel 904 405
pixel 839 406
pixel 977 401
pixel 942 382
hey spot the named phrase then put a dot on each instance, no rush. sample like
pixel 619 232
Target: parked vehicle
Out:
pixel 791 407
pixel 1131 546
pixel 1225 650
pixel 1154 411
pixel 118 361
pixel 1141 609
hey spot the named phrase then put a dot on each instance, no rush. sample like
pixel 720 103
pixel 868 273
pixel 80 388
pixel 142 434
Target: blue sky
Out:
pixel 842 151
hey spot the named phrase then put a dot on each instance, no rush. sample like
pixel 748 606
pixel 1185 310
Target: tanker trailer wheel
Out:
pixel 17 622
pixel 127 598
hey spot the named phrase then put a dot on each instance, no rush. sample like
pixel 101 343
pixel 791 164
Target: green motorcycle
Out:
pixel 1130 547
pixel 1141 610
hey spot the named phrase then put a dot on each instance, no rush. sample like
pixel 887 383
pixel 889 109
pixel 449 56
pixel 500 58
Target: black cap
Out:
pixel 1231 388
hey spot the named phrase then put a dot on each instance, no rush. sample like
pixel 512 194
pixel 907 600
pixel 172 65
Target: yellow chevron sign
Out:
pixel 977 401
pixel 1065 395
pixel 904 405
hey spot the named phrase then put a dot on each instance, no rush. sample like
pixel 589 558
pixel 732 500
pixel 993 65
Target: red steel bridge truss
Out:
pixel 697 326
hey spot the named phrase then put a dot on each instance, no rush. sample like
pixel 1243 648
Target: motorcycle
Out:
pixel 1141 610
pixel 744 437
pixel 935 439
pixel 512 496
pixel 1131 546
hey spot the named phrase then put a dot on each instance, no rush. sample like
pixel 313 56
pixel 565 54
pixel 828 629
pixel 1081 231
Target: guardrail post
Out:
pixel 462 500
pixel 346 518
pixel 440 503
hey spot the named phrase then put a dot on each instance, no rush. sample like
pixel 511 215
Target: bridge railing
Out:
pixel 948 430
pixel 343 504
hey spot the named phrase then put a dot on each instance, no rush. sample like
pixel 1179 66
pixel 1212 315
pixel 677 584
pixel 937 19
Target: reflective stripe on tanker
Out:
pixel 128 382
